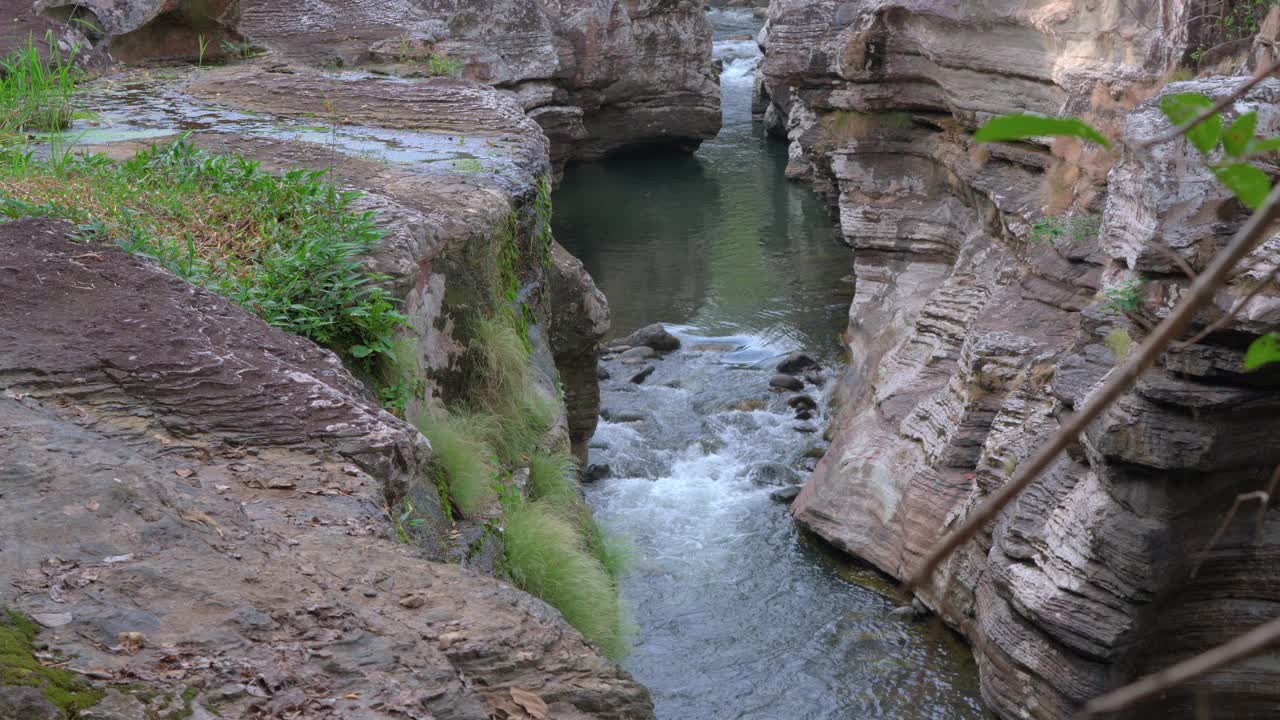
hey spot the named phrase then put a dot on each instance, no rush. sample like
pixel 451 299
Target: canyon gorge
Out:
pixel 214 503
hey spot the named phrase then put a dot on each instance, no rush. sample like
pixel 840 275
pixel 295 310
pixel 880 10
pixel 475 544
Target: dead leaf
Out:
pixel 352 696
pixel 530 703
pixel 183 473
pixel 281 484
pixel 92 506
pixel 412 601
pixel 117 559
pixel 131 642
pixel 200 517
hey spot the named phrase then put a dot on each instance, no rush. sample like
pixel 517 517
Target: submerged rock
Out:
pixel 641 376
pixel 786 494
pixel 596 472
pixel 772 474
pixel 795 363
pixel 786 382
pixel 653 336
pixel 802 402
pixel 638 353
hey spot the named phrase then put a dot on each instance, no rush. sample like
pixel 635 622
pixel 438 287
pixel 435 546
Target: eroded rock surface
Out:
pixel 204 496
pixel 596 76
pixel 981 317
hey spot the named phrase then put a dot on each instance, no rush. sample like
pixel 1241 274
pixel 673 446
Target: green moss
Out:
pixel 19 666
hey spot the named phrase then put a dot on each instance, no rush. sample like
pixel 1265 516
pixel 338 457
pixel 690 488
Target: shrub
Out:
pixel 544 555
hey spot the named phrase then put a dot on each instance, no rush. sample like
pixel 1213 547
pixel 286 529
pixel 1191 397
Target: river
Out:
pixel 737 613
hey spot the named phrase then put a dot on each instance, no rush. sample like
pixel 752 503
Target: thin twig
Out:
pixel 1241 648
pixel 1222 321
pixel 1216 108
pixel 1260 495
pixel 1177 259
pixel 1123 378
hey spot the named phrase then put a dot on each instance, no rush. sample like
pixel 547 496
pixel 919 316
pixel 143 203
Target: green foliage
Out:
pixel 543 211
pixel 404 520
pixel 203 48
pixel 1023 127
pixel 287 247
pixel 462 454
pixel 1119 343
pixel 1080 227
pixel 441 65
pixel 1249 184
pixel 1125 297
pixel 243 49
pixel 1183 107
pixel 544 554
pixel 35 92
pixel 1263 351
pixel 19 666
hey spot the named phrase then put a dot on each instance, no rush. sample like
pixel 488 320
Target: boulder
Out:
pixel 653 336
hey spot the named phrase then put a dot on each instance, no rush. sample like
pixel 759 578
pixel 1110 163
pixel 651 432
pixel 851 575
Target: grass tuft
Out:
pixel 35 91
pixel 462 452
pixel 287 247
pixel 553 478
pixel 544 555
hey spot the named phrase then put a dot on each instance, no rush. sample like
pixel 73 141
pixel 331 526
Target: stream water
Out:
pixel 738 614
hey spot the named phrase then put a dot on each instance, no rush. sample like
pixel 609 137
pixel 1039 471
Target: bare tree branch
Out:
pixel 1243 647
pixel 1121 379
pixel 1217 107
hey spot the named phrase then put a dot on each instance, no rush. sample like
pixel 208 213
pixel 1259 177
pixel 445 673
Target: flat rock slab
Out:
pixel 203 495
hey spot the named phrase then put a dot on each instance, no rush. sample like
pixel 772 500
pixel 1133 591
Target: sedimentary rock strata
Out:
pixel 981 317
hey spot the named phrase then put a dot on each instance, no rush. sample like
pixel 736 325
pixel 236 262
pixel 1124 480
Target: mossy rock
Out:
pixel 19 666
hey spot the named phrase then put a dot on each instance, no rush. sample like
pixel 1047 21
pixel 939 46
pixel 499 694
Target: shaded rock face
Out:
pixel 596 77
pixel 578 323
pixel 979 320
pixel 203 495
pixel 141 30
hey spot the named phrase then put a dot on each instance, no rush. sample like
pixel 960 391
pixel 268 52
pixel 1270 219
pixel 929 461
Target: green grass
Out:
pixel 439 64
pixel 35 92
pixel 553 478
pixel 286 246
pixel 545 555
pixel 19 666
pixel 463 454
pixel 507 388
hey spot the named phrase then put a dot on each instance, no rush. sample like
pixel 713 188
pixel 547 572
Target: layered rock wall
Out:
pixel 597 77
pixel 996 287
